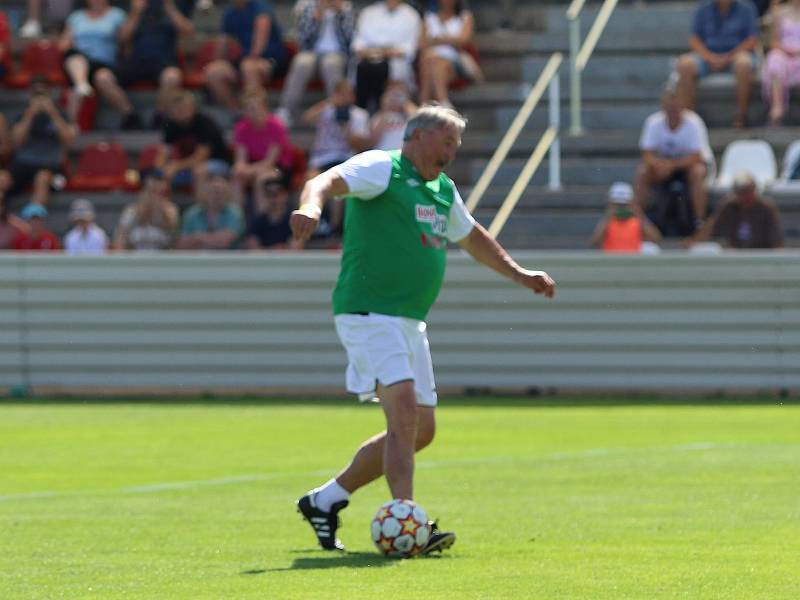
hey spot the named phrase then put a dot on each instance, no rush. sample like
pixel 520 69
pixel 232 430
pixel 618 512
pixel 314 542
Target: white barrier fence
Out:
pixel 234 322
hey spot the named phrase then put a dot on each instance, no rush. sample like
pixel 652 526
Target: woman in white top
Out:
pixel 445 34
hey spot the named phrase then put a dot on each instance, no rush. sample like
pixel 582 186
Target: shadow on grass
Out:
pixel 483 401
pixel 348 560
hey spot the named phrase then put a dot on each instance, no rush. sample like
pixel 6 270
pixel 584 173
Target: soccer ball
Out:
pixel 400 528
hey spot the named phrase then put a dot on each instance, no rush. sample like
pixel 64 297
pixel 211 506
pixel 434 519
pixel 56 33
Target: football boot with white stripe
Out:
pixel 323 523
pixel 439 540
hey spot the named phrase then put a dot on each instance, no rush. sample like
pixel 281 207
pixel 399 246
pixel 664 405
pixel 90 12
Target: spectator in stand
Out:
pixel 269 229
pixel 216 221
pixel 261 144
pixel 5 45
pixel 745 220
pixel 85 237
pixel 40 138
pixel 342 129
pixel 782 68
pixel 672 154
pixel 6 147
pixel 35 237
pixel 149 40
pixel 10 226
pixel 324 33
pixel 57 11
pixel 624 228
pixel 90 45
pixel 253 25
pixel 723 39
pixel 385 45
pixel 150 223
pixel 445 35
pixel 387 126
pixel 191 138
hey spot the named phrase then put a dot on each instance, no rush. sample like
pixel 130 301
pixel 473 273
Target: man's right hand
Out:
pixel 304 221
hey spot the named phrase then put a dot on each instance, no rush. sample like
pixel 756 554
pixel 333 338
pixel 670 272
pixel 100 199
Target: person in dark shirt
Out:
pixel 149 39
pixel 190 140
pixel 745 221
pixel 40 138
pixel 269 228
pixel 251 23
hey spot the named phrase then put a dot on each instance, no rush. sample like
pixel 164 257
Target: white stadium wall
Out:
pixel 173 323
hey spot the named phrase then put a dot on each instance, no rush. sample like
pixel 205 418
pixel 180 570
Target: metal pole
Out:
pixel 555 124
pixel 575 127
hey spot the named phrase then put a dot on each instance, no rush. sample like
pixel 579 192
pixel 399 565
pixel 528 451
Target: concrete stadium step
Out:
pixel 595 116
pixel 574 171
pixel 642 68
pixel 662 19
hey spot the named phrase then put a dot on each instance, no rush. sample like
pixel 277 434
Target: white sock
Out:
pixel 328 494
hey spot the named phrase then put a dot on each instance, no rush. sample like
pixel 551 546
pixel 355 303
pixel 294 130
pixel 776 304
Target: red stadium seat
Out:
pixel 149 156
pixel 206 53
pixel 101 167
pixel 299 167
pixel 5 42
pixel 41 57
pixel 462 82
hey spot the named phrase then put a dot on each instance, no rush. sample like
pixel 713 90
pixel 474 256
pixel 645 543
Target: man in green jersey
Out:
pixel 401 212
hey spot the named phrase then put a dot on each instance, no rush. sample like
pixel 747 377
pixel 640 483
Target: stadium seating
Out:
pixel 206 53
pixel 40 57
pixel 755 156
pixel 102 166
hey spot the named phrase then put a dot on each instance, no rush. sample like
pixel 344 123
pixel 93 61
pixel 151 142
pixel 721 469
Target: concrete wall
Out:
pixel 180 323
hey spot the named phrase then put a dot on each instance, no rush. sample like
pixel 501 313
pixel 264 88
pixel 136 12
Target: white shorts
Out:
pixel 386 350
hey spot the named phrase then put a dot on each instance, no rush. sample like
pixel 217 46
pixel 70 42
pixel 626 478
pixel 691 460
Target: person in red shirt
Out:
pixel 38 238
pixel 624 227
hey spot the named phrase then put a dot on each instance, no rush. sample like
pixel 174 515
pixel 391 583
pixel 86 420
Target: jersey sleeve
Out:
pixel 366 174
pixel 460 223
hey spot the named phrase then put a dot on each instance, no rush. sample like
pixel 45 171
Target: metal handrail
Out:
pixel 579 55
pixel 547 77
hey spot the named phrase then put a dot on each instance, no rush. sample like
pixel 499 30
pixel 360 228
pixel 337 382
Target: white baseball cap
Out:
pixel 620 193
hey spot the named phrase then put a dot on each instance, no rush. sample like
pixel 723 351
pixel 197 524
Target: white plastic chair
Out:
pixel 754 156
pixel 784 183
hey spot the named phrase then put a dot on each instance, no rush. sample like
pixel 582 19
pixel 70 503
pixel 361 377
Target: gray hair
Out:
pixel 433 116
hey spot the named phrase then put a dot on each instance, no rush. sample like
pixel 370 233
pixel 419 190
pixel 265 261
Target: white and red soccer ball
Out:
pixel 400 528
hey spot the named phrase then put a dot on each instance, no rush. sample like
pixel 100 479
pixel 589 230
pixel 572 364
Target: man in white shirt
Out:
pixel 673 149
pixel 85 237
pixel 385 45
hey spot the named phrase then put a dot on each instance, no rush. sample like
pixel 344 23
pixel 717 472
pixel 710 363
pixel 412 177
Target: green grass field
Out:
pixel 550 499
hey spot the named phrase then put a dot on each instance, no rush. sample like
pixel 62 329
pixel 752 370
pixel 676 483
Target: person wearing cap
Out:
pixel 86 237
pixel 269 228
pixel 150 223
pixel 744 220
pixel 215 222
pixel 37 237
pixel 624 227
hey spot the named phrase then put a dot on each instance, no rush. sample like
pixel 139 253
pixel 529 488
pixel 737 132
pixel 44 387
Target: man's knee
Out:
pixel 401 407
pixel 170 78
pixel 104 78
pixel 687 67
pixel 426 428
pixel 697 173
pixel 743 64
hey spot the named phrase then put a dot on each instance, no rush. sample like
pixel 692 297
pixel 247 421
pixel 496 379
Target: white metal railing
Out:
pixel 579 55
pixel 548 141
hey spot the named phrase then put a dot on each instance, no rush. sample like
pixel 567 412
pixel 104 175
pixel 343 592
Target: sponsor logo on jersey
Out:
pixel 428 214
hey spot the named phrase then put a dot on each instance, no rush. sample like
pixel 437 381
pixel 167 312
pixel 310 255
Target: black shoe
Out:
pixel 324 524
pixel 439 540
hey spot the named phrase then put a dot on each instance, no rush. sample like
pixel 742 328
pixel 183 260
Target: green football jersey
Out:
pixel 395 245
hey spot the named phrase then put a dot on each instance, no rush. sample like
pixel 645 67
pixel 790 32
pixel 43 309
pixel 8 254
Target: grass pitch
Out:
pixel 196 500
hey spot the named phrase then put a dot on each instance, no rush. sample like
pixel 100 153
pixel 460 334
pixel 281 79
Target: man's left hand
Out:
pixel 538 281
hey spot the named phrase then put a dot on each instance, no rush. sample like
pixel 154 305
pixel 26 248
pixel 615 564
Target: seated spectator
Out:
pixel 191 138
pixel 445 34
pixel 342 129
pixel 745 220
pixel 150 223
pixel 252 23
pixel 672 149
pixel 10 226
pixel 624 227
pixel 85 237
pixel 324 33
pixel 149 40
pixel 388 126
pixel 40 138
pixel 269 229
pixel 35 237
pixel 385 45
pixel 723 39
pixel 6 147
pixel 5 45
pixel 216 221
pixel 782 68
pixel 261 144
pixel 57 12
pixel 90 47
